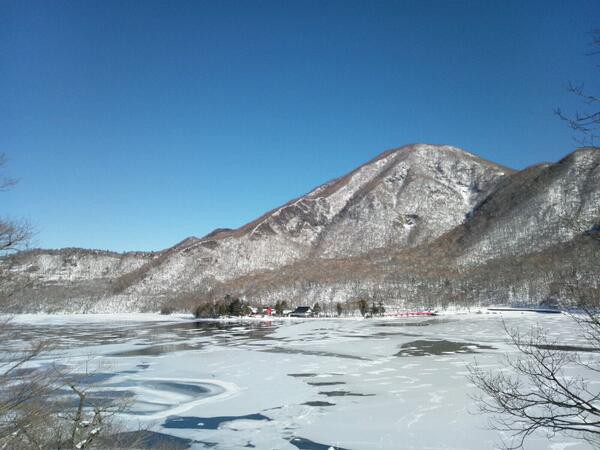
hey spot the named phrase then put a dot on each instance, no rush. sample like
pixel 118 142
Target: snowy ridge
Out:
pixel 413 224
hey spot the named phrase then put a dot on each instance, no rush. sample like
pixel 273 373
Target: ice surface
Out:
pixel 314 384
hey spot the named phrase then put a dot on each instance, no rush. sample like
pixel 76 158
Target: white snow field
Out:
pixel 311 385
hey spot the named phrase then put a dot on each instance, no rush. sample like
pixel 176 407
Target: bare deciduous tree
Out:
pixel 42 408
pixel 50 407
pixel 548 387
pixel 15 235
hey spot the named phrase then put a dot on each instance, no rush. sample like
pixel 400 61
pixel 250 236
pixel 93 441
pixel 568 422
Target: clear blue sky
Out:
pixel 133 124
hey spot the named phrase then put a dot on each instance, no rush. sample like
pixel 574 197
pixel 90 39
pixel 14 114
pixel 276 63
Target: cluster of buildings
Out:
pixel 300 311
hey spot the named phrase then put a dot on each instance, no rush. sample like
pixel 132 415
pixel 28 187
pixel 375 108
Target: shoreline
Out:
pixel 61 318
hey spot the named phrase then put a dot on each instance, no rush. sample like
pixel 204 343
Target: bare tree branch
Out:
pixel 5 182
pixel 538 392
pixel 585 124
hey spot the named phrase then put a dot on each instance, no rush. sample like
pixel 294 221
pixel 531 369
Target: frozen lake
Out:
pixel 313 384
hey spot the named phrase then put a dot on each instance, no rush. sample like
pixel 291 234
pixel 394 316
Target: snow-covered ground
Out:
pixel 69 319
pixel 313 384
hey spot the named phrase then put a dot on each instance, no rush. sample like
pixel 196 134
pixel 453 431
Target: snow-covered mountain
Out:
pixel 415 222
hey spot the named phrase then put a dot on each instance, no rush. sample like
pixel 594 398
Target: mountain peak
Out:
pixel 435 152
pixel 410 217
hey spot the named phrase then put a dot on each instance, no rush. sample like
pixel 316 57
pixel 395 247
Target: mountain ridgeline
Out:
pixel 422 225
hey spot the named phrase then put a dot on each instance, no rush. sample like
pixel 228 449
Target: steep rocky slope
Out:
pixel 403 198
pixel 534 209
pixel 419 224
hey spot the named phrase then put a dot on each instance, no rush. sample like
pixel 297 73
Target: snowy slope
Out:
pixel 419 224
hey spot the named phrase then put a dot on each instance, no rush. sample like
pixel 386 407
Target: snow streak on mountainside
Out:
pixel 382 230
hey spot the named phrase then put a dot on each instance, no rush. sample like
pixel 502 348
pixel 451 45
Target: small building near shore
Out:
pixel 302 311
